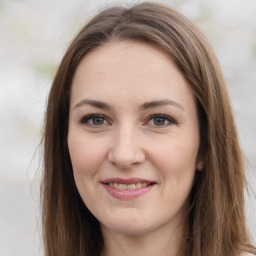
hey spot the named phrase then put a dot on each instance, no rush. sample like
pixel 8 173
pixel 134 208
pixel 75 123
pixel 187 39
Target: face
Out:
pixel 133 137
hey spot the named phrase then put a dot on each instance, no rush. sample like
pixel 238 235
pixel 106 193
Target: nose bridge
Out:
pixel 126 149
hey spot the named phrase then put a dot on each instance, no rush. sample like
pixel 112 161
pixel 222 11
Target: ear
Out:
pixel 199 165
pixel 200 159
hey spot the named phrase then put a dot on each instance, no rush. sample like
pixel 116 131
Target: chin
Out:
pixel 130 224
pixel 127 229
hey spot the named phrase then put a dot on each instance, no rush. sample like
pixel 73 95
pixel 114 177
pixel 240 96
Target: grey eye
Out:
pixel 94 120
pixel 97 120
pixel 158 121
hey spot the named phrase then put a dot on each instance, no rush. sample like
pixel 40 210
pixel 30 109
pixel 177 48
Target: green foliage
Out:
pixel 205 16
pixel 45 69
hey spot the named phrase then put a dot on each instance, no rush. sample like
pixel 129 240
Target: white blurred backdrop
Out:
pixel 34 35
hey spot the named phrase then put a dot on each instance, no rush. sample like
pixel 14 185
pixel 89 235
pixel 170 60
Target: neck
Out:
pixel 162 242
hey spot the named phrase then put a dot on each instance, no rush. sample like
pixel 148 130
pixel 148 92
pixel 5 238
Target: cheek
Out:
pixel 175 163
pixel 87 158
pixel 175 157
pixel 86 155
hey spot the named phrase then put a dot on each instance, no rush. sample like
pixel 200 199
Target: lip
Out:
pixel 127 194
pixel 127 181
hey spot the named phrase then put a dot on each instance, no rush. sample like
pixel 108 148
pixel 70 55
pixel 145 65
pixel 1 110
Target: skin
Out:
pixel 127 142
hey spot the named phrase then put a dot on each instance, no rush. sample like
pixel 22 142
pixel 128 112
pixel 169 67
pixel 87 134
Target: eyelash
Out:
pixel 164 117
pixel 85 120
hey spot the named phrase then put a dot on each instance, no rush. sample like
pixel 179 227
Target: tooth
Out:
pixel 122 186
pixel 144 185
pixel 131 186
pixel 138 185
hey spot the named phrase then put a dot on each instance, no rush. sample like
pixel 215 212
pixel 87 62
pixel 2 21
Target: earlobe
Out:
pixel 200 166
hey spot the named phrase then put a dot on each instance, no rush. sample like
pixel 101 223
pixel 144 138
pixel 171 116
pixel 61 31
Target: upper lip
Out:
pixel 127 181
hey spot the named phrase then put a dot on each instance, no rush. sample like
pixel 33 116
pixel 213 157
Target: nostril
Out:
pixel 124 154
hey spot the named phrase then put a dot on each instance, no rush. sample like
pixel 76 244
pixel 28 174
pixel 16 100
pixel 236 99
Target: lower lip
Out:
pixel 127 194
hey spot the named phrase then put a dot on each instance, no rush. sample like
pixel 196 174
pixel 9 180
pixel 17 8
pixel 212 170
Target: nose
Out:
pixel 126 150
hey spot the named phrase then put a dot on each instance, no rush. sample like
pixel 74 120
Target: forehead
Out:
pixel 130 70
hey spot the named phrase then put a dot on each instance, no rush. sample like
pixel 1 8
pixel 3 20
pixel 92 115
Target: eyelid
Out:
pixel 164 116
pixel 84 120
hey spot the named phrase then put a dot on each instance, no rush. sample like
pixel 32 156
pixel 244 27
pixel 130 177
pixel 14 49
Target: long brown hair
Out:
pixel 216 216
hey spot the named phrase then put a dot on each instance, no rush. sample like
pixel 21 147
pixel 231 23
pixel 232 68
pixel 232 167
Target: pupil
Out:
pixel 159 121
pixel 98 121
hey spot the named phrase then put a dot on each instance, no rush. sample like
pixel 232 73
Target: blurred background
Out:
pixel 33 38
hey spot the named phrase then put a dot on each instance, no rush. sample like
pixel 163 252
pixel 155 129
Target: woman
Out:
pixel 141 152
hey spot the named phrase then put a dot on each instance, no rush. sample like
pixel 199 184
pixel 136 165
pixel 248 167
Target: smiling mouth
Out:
pixel 125 189
pixel 132 186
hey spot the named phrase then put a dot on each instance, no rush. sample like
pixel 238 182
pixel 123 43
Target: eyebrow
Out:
pixel 144 106
pixel 93 103
pixel 158 103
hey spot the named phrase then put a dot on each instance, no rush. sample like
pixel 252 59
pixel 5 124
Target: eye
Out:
pixel 160 120
pixel 94 120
